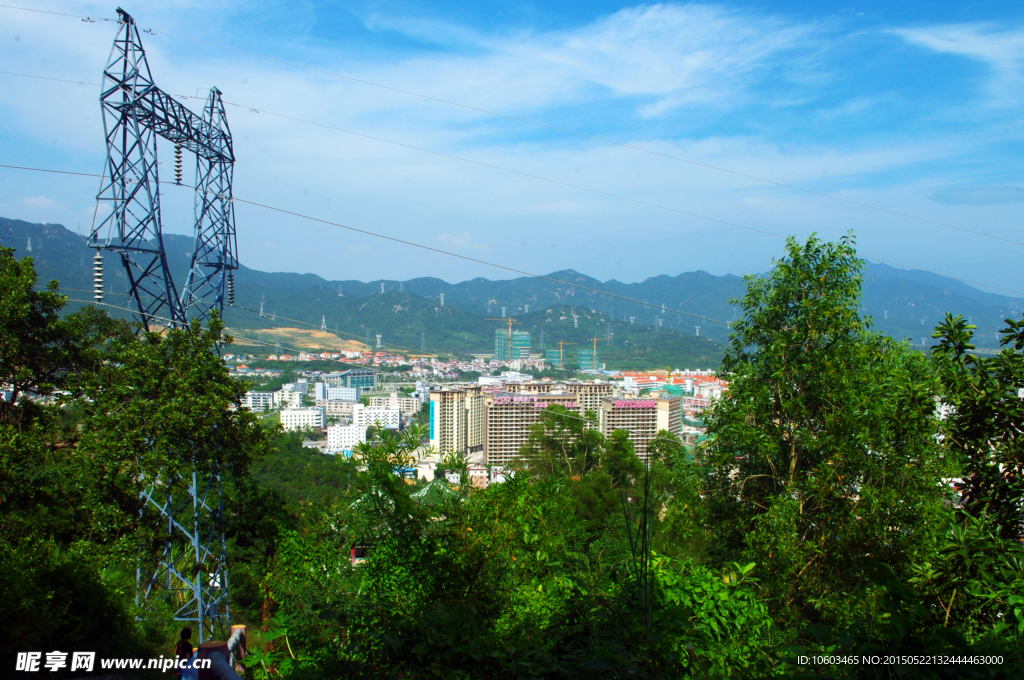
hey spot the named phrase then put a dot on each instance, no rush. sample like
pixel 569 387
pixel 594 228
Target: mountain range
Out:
pixel 902 303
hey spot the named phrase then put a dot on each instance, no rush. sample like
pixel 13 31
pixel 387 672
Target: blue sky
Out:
pixel 913 107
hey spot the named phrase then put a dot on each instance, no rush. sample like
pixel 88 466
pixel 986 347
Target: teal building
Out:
pixel 588 360
pixel 556 359
pixel 520 345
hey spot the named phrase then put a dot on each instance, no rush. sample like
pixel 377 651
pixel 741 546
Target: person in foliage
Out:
pixel 183 650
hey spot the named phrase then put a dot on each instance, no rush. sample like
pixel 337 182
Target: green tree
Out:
pixel 984 423
pixel 822 453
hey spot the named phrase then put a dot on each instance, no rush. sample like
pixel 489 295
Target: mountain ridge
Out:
pixel 902 303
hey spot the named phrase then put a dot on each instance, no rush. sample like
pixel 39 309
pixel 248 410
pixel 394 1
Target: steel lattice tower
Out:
pixel 192 570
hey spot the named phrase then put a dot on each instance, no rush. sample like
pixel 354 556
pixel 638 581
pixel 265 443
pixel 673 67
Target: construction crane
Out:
pixel 561 353
pixel 510 322
pixel 595 340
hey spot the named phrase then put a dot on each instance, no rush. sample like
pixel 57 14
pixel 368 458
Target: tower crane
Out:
pixel 510 322
pixel 561 353
pixel 595 340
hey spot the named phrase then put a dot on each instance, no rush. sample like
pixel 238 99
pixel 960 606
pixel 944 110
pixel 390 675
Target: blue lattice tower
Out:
pixel 210 278
pixel 191 573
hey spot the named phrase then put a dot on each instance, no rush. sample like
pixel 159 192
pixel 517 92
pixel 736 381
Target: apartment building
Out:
pixel 590 394
pixel 408 406
pixel 642 418
pixel 259 401
pixel 335 408
pixel 290 398
pixel 457 420
pixel 301 418
pixel 366 416
pixel 508 420
pixel 325 392
pixel 344 438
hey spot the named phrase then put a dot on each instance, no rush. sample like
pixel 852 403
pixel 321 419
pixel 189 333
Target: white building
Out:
pixel 408 406
pixel 301 385
pixel 338 409
pixel 325 392
pixel 259 401
pixel 341 438
pixel 300 418
pixel 365 416
pixel 290 398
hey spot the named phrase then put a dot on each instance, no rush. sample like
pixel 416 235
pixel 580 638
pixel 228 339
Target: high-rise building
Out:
pixel 457 420
pixel 509 417
pixel 641 418
pixel 520 346
pixel 589 394
pixel 588 359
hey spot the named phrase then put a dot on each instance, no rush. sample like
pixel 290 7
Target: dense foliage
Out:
pixel 822 516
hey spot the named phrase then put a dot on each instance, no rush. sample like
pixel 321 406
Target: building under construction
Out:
pixel 588 359
pixel 518 348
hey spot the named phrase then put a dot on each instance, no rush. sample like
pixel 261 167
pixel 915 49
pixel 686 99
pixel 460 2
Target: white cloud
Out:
pixel 42 203
pixel 1001 49
pixel 668 55
pixel 464 241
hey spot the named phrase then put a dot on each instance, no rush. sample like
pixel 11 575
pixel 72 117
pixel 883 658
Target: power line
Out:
pixel 567 283
pixel 515 172
pixel 232 331
pixel 59 14
pixel 470 259
pixel 424 247
pixel 603 140
pixel 274 317
pixel 520 271
pixel 475 162
pixel 569 184
pixel 56 80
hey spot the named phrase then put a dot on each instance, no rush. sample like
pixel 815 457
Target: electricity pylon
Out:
pixel 191 572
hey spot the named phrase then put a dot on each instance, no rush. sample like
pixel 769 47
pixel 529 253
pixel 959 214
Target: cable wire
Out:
pixel 232 331
pixel 275 317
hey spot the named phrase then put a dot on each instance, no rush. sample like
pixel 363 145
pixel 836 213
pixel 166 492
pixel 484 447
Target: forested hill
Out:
pixel 902 303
